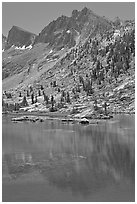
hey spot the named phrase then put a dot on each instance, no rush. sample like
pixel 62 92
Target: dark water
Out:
pixel 52 161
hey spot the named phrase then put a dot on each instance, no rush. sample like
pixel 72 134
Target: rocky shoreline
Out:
pixel 64 118
pixel 71 120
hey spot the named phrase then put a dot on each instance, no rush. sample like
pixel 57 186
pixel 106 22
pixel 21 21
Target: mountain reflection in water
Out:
pixel 80 159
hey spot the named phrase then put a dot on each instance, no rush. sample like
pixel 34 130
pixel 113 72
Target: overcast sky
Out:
pixel 34 16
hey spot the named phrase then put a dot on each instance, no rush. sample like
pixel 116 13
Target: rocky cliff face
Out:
pixel 19 37
pixel 68 31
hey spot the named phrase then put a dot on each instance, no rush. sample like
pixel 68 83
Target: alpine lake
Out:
pixel 66 162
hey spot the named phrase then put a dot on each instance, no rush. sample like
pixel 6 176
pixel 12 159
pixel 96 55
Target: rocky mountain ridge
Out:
pixel 68 31
pixel 62 32
pixel 19 37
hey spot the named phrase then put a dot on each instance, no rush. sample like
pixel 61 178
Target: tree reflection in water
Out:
pixel 81 159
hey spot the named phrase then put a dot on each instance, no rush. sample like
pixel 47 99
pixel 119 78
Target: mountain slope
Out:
pixel 99 66
pixel 63 33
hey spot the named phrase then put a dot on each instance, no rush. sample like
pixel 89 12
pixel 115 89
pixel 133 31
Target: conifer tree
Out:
pixel 20 94
pixel 54 84
pixel 68 98
pixel 24 101
pixel 27 93
pixel 31 89
pixel 47 100
pixel 39 92
pixel 32 98
pixel 63 93
pixel 95 105
pixel 105 108
pixel 36 99
pixel 52 101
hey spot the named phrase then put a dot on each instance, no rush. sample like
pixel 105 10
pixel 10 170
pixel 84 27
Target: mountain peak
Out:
pixel 86 11
pixel 75 13
pixel 66 31
pixel 21 29
pixel 19 37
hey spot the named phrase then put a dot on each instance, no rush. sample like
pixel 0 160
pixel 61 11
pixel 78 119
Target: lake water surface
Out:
pixel 52 161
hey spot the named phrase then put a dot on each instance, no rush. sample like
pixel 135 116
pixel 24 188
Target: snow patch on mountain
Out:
pixel 50 51
pixel 20 48
pixel 29 47
pixel 68 31
pixel 23 47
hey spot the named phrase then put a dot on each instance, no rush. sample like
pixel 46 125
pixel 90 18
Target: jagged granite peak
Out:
pixel 85 11
pixel 117 21
pixel 19 37
pixel 75 13
pixel 67 31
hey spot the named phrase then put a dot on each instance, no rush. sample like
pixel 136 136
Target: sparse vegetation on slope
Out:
pixel 93 78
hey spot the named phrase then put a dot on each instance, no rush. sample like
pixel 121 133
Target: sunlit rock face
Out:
pixel 19 37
